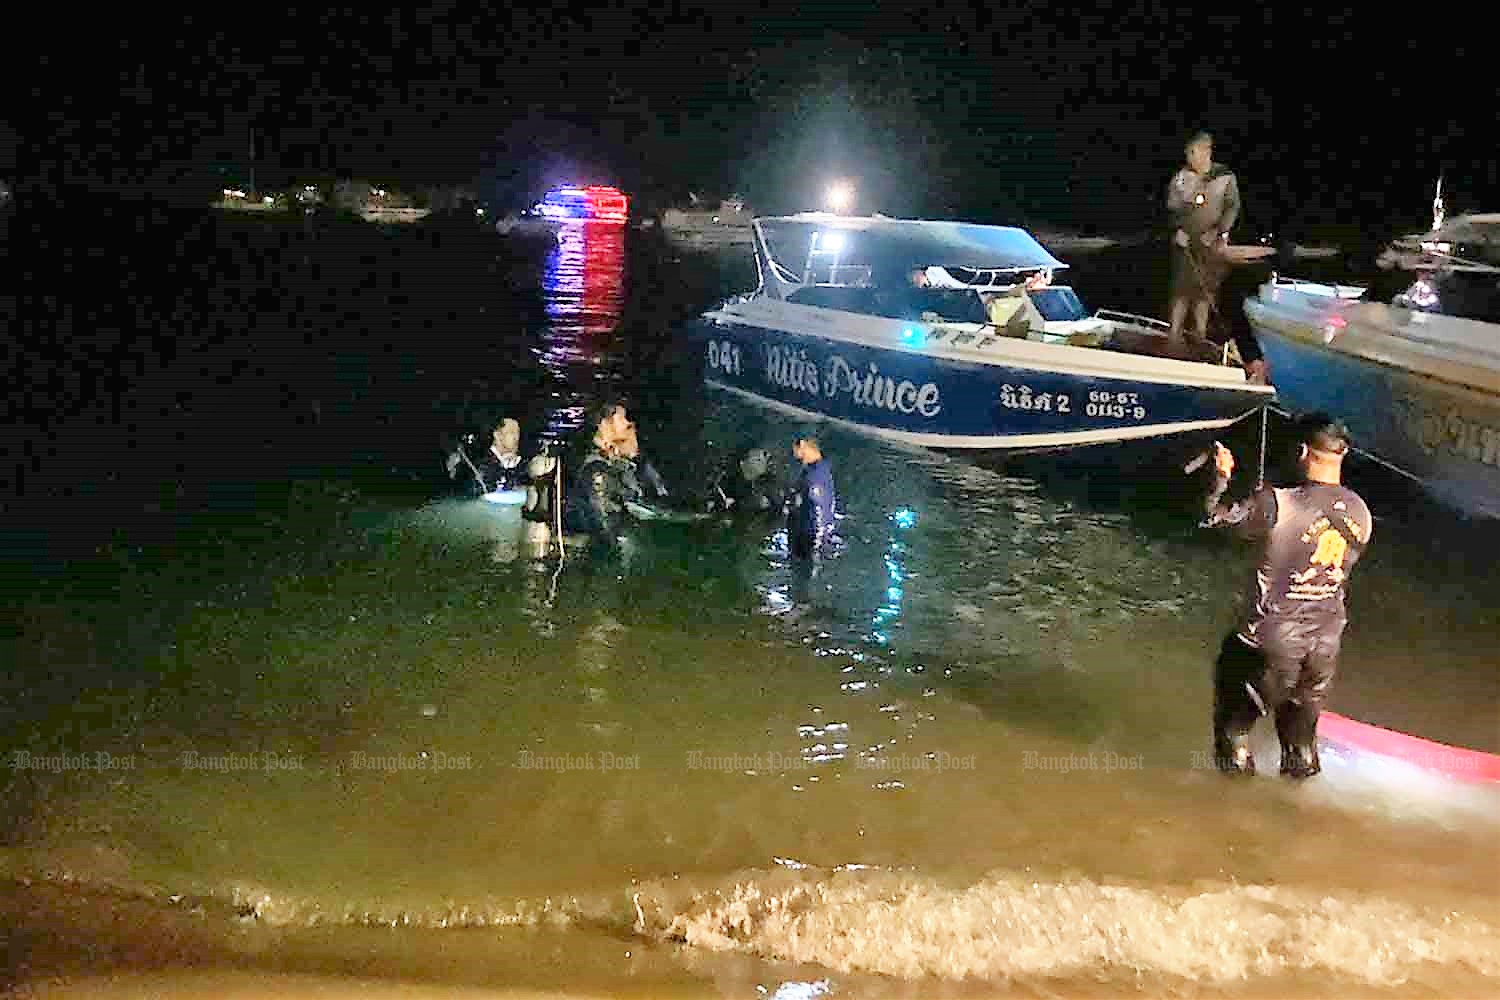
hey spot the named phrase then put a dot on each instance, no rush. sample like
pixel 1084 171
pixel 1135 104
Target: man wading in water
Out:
pixel 1281 659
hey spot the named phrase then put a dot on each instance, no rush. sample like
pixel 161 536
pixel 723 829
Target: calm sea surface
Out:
pixel 279 702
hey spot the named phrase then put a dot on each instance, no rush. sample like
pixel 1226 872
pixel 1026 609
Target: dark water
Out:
pixel 281 706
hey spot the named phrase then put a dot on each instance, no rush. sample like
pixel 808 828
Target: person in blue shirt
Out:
pixel 810 519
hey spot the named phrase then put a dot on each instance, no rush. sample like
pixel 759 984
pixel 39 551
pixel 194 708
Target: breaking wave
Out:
pixel 1008 927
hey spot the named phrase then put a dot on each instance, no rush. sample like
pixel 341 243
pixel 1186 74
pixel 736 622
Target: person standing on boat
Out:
pixel 1203 201
pixel 1281 659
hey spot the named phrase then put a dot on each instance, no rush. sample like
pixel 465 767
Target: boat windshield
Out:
pixel 952 305
pixel 1058 303
pixel 931 305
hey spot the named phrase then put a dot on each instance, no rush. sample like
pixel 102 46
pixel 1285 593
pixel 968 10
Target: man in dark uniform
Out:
pixel 810 517
pixel 1203 201
pixel 1281 659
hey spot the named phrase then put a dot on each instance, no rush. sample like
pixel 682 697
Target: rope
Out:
pixel 557 502
pixel 1260 474
pixel 1213 305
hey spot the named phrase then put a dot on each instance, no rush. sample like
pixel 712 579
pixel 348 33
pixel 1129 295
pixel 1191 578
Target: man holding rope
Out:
pixel 1281 658
pixel 1203 201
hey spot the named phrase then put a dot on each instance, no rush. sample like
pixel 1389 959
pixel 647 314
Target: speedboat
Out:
pixel 1416 379
pixel 889 326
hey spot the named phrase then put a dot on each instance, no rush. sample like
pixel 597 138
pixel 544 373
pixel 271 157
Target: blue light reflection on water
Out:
pixel 887 615
pixel 584 288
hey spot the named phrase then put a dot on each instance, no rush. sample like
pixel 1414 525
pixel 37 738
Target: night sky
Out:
pixel 993 112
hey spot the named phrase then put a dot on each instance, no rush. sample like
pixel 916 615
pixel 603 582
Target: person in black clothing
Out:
pixel 610 480
pixel 498 467
pixel 1282 657
pixel 750 490
pixel 1243 281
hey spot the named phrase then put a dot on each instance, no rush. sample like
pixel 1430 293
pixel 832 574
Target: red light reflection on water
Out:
pixel 584 290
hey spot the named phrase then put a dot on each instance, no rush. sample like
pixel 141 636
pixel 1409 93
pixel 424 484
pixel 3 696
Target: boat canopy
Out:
pixel 836 249
pixel 1462 243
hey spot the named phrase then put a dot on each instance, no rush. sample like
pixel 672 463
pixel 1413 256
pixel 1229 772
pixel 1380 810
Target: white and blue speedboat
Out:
pixel 1417 380
pixel 844 328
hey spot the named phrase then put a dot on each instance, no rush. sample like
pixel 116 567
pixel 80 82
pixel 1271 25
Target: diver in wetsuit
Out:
pixel 498 467
pixel 810 517
pixel 612 482
pixel 751 491
pixel 1281 659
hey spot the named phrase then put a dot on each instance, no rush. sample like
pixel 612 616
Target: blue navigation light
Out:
pixel 913 336
pixel 905 517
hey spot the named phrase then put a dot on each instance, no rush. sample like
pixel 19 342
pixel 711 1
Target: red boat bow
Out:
pixel 1455 762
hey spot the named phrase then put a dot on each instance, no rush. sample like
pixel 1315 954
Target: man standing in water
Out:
pixel 499 466
pixel 1281 659
pixel 1203 201
pixel 810 519
pixel 609 477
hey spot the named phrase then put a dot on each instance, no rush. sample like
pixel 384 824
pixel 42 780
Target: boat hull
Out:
pixel 957 403
pixel 1443 434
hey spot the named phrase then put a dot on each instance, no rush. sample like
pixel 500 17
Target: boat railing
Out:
pixel 1229 353
pixel 1117 316
pixel 1334 291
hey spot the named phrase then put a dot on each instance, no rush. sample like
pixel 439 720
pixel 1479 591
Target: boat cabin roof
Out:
pixel 884 249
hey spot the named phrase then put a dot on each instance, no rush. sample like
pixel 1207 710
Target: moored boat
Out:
pixel 953 336
pixel 1417 379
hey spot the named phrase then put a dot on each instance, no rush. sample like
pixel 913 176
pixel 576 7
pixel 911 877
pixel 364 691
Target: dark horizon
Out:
pixel 936 111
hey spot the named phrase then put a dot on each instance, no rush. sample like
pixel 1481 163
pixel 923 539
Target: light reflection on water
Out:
pixel 584 292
